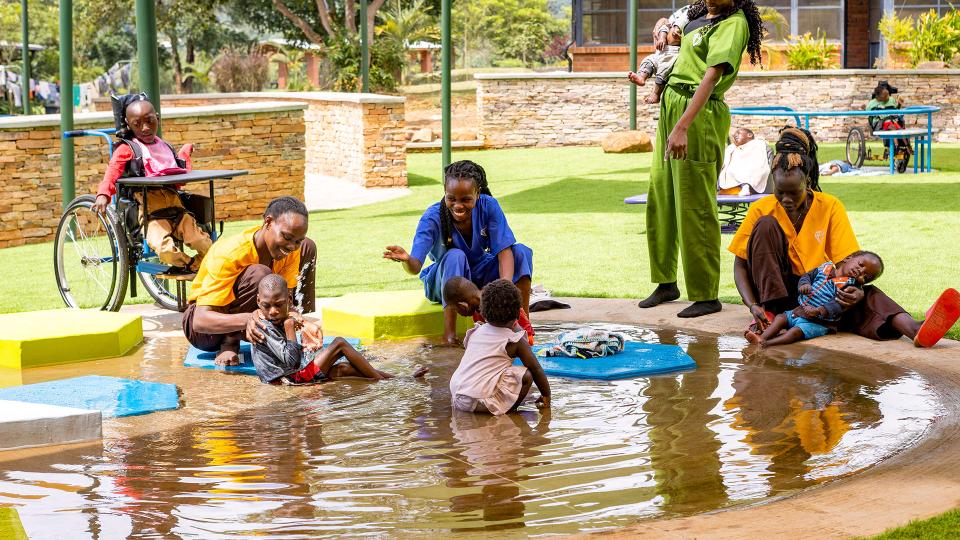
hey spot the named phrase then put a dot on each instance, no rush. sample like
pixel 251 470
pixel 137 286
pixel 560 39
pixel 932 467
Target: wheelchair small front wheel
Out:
pixel 856 148
pixel 90 257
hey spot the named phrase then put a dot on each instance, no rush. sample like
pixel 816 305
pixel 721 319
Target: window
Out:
pixel 915 8
pixel 604 22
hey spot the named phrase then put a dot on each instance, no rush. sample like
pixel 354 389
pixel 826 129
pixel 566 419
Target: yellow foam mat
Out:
pixel 10 526
pixel 386 315
pixel 63 336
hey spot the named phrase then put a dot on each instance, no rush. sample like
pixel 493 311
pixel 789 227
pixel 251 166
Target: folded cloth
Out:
pixel 585 343
pixel 540 300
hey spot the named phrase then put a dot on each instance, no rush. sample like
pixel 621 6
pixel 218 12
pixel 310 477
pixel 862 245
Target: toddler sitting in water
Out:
pixel 818 303
pixel 486 379
pixel 463 293
pixel 278 357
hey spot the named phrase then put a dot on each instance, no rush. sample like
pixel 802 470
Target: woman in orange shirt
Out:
pixel 797 229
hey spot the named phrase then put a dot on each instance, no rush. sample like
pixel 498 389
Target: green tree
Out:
pixel 522 28
pixel 44 25
pixel 403 26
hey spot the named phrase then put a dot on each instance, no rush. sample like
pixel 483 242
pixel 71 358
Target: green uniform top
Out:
pixel 876 104
pixel 721 44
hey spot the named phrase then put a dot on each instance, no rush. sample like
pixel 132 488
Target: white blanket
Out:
pixel 745 164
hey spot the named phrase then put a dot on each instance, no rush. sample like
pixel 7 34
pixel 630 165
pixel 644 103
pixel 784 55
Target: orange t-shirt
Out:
pixel 826 234
pixel 223 264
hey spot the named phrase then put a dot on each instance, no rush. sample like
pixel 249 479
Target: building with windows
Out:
pixel 599 27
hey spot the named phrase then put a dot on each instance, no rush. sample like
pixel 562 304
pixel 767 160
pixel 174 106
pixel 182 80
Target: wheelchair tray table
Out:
pixel 185 178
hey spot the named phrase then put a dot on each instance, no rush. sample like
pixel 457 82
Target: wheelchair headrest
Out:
pixel 120 104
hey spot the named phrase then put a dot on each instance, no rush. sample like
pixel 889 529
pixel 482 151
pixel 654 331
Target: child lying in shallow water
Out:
pixel 278 357
pixel 818 300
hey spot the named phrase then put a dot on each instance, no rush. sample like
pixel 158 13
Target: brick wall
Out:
pixel 354 137
pixel 857 34
pixel 555 109
pixel 266 139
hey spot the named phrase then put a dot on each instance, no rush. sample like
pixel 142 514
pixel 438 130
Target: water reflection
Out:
pixel 353 458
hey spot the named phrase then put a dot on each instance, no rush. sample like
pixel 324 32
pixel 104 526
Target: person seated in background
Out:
pixel 883 100
pixel 746 165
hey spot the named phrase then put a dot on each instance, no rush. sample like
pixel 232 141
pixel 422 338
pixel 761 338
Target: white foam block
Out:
pixel 25 425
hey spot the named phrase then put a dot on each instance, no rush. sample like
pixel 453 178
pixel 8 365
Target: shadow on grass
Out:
pixel 566 196
pixel 414 179
pixel 891 197
pixel 575 196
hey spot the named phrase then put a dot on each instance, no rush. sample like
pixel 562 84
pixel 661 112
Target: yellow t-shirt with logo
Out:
pixel 223 264
pixel 826 234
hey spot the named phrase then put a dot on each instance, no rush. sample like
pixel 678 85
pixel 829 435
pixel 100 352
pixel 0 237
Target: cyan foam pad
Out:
pixel 386 315
pixel 203 359
pixel 636 360
pixel 112 396
pixel 61 336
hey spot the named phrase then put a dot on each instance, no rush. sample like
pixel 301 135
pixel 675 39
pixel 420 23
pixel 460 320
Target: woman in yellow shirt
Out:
pixel 797 229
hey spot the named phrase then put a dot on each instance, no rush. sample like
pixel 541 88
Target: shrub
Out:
pixel 240 71
pixel 896 29
pixel 808 52
pixel 386 61
pixel 937 38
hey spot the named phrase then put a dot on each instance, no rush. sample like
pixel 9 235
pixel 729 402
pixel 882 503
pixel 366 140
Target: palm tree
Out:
pixel 407 26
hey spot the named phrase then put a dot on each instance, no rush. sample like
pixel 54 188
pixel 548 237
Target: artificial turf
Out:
pixel 943 527
pixel 567 204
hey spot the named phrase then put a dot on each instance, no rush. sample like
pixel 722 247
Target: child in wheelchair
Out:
pixel 143 153
pixel 883 100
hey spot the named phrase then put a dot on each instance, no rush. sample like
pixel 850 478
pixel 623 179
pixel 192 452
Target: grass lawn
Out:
pixel 566 204
pixel 943 527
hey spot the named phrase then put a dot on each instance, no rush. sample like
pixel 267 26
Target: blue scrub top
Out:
pixel 491 234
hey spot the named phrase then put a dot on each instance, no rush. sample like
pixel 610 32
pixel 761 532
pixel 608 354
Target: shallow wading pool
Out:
pixel 354 458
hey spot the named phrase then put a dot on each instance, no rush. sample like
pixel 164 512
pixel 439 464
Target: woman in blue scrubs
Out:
pixel 467 235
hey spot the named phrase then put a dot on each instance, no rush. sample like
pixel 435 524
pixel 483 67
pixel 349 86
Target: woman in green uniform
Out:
pixel 691 135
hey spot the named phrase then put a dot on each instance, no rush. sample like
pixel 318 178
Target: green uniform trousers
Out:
pixel 681 201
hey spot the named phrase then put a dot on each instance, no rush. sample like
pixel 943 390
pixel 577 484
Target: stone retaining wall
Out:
pixel 555 109
pixel 354 137
pixel 266 139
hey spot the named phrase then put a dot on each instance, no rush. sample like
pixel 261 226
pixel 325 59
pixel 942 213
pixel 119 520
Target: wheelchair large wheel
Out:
pixel 161 290
pixel 90 257
pixel 856 148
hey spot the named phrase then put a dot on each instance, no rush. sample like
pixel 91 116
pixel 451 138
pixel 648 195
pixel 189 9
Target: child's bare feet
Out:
pixel 638 79
pixel 652 99
pixel 754 338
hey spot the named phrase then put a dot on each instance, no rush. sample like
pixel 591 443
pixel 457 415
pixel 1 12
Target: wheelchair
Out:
pixel 97 255
pixel 857 151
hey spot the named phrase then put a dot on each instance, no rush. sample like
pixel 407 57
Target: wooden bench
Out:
pixel 732 208
pixel 922 144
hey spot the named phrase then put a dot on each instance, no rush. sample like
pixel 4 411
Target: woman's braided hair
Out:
pixel 754 22
pixel 459 170
pixel 797 148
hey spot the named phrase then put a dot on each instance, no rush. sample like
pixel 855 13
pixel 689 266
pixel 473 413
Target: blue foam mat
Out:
pixel 203 359
pixel 636 360
pixel 112 396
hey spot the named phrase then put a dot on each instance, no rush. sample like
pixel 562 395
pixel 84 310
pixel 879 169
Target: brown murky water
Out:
pixel 390 459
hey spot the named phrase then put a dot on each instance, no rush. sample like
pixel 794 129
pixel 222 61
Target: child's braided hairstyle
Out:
pixel 754 22
pixel 797 148
pixel 459 170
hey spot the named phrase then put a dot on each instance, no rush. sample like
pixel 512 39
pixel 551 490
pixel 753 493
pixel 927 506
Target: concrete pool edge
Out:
pixel 917 483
